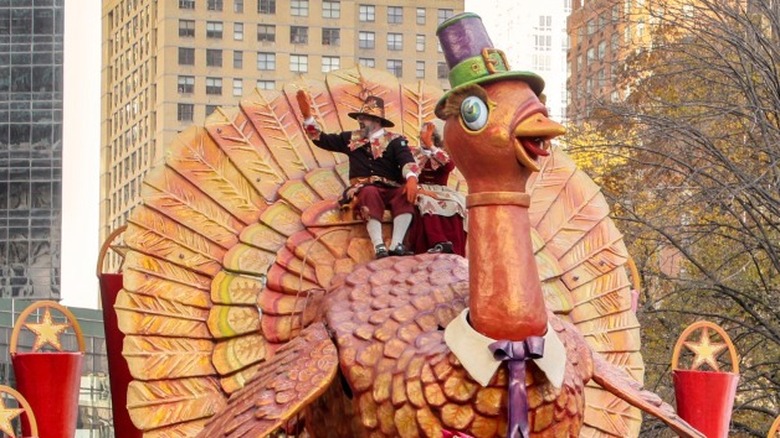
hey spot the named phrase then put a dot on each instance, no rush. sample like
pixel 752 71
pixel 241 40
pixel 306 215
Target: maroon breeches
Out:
pixel 373 200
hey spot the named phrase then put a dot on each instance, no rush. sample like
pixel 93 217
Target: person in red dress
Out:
pixel 440 226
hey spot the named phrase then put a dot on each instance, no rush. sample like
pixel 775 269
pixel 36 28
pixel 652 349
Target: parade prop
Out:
pixel 238 257
pixel 49 380
pixel 118 371
pixel 705 394
pixel 8 414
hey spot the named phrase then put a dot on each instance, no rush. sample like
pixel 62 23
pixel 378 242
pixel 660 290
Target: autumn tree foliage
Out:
pixel 691 162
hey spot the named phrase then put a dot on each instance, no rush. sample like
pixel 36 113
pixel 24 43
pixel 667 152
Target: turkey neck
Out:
pixel 505 294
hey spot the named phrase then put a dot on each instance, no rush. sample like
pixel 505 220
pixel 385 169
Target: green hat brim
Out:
pixel 535 81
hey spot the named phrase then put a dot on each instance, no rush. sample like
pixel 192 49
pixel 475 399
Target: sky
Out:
pixel 81 142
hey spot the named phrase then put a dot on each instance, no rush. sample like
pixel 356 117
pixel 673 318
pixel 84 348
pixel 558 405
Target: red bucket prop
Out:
pixel 118 371
pixel 705 398
pixel 9 413
pixel 49 380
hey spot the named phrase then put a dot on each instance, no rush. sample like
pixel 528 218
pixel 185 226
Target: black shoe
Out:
pixel 399 250
pixel 381 251
pixel 442 247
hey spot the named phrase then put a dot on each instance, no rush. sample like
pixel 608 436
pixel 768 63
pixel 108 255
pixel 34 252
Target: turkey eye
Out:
pixel 474 113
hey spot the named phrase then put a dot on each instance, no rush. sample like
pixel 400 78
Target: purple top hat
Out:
pixel 471 57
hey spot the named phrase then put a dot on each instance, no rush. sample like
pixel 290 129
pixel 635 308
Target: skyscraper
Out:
pixel 31 45
pixel 167 65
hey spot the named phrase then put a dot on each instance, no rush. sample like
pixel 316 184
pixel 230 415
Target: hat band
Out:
pixel 488 62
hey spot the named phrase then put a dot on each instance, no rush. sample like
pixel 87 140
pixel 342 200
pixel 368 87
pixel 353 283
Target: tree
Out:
pixel 699 196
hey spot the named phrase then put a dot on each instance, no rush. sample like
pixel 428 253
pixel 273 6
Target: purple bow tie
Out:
pixel 515 354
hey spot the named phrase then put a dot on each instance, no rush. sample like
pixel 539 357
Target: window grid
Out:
pixel 443 14
pixel 367 62
pixel 330 63
pixel 367 13
pixel 186 84
pixel 214 57
pixel 366 40
pixel 214 5
pixel 395 66
pixel 214 86
pixel 186 28
pixel 331 9
pixel 267 7
pixel 238 87
pixel 266 61
pixel 238 59
pixel 299 8
pixel 395 41
pixel 184 112
pixel 238 6
pixel 266 85
pixel 214 29
pixel 238 31
pixel 299 35
pixel 186 56
pixel 420 70
pixel 420 43
pixel 266 32
pixel 395 15
pixel 421 16
pixel 299 63
pixel 331 36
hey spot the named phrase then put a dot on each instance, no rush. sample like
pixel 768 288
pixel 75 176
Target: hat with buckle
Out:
pixel 471 57
pixel 374 107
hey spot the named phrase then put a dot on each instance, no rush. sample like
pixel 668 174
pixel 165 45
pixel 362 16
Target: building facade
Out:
pixel 31 45
pixel 168 64
pixel 602 35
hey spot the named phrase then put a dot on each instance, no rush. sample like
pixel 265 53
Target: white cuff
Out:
pixel 309 121
pixel 408 174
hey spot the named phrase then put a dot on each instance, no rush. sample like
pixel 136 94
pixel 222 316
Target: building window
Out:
pixel 186 4
pixel 299 63
pixel 395 41
pixel 442 72
pixel 186 84
pixel 238 31
pixel 367 13
pixel 186 28
pixel 214 29
pixel 266 85
pixel 443 14
pixel 266 6
pixel 214 57
pixel 395 14
pixel 238 87
pixel 214 5
pixel 238 59
pixel 421 16
pixel 366 40
pixel 186 56
pixel 210 109
pixel 591 55
pixel 420 43
pixel 331 9
pixel 330 63
pixel 266 32
pixel 214 86
pixel 420 70
pixel 184 112
pixel 396 67
pixel 299 35
pixel 330 36
pixel 266 61
pixel 238 6
pixel 299 8
pixel 602 49
pixel 367 62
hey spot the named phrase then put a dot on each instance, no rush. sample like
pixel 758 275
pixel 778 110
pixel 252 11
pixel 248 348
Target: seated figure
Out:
pixel 440 225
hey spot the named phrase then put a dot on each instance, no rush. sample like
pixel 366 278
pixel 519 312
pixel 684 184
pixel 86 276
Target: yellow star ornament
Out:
pixel 705 351
pixel 47 332
pixel 6 416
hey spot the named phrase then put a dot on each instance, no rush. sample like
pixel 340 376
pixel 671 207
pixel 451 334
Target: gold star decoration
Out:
pixel 47 332
pixel 6 416
pixel 705 351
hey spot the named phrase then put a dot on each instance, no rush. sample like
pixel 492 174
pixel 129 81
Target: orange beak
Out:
pixel 533 135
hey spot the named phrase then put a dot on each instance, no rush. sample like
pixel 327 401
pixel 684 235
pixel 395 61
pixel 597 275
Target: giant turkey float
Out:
pixel 251 304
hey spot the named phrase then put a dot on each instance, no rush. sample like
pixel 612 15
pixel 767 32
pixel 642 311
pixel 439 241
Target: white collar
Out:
pixel 471 348
pixel 376 134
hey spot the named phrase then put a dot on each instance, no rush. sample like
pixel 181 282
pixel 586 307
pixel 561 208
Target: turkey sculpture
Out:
pixel 251 302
